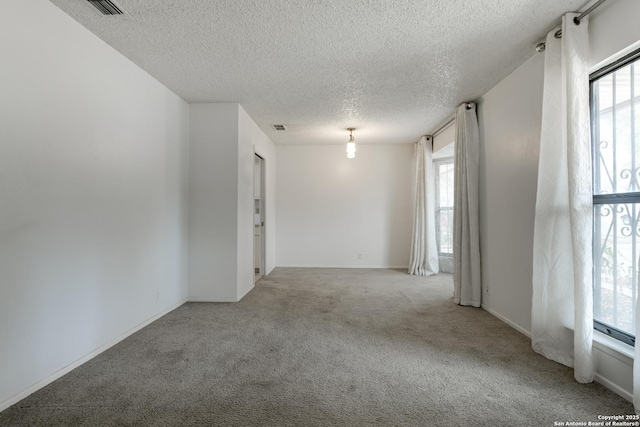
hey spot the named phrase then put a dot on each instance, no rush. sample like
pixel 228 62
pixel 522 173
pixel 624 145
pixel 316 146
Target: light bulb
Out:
pixel 351 147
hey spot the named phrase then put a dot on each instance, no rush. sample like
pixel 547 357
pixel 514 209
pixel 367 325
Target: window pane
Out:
pixel 445 184
pixel 445 226
pixel 444 206
pixel 616 264
pixel 615 101
pixel 615 126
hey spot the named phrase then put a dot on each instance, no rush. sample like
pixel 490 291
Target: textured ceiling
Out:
pixel 393 69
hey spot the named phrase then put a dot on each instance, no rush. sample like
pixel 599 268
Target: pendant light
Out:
pixel 351 146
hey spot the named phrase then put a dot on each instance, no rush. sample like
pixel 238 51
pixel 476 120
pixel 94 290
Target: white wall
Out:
pixel 213 202
pixel 92 196
pixel 331 208
pixel 509 117
pixel 223 139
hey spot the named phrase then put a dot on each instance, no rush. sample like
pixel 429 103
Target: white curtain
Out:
pixel 424 251
pixel 562 305
pixel 466 227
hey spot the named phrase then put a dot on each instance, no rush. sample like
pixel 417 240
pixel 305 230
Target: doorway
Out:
pixel 258 218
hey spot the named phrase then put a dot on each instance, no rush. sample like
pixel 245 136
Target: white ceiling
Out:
pixel 393 69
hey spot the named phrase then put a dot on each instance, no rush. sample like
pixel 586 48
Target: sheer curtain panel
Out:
pixel 562 305
pixel 424 251
pixel 466 224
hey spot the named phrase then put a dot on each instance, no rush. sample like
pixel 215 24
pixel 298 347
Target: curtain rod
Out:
pixel 540 47
pixel 577 19
pixel 444 125
pixel 441 128
pixel 451 119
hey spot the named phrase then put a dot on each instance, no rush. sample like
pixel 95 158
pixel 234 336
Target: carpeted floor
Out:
pixel 322 347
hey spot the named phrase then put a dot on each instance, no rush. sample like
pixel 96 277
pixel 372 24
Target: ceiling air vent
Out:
pixel 106 7
pixel 279 127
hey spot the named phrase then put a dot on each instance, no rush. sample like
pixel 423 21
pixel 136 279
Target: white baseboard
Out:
pixel 32 389
pixel 394 267
pixel 223 299
pixel 507 321
pixel 614 387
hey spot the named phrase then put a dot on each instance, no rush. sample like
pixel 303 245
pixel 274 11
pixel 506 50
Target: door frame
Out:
pixel 263 212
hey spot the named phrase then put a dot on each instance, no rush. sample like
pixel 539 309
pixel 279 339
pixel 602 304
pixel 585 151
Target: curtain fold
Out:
pixel 424 251
pixel 562 303
pixel 466 224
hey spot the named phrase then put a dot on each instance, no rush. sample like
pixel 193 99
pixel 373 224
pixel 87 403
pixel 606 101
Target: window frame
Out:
pixel 607 199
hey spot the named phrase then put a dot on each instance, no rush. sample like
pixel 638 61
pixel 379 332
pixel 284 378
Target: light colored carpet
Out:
pixel 322 347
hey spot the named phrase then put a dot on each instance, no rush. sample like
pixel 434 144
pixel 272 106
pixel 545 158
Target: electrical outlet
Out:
pixel 157 295
pixel 360 255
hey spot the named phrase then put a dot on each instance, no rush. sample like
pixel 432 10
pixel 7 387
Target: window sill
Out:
pixel 613 347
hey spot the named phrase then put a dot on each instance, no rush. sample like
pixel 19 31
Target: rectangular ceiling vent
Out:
pixel 279 127
pixel 106 7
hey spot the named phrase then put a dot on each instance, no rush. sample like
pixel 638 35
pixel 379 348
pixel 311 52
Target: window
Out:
pixel 444 206
pixel 615 123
